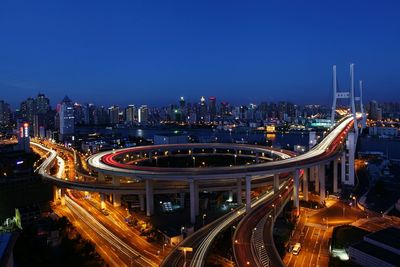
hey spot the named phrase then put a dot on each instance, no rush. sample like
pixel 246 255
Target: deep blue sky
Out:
pixel 152 52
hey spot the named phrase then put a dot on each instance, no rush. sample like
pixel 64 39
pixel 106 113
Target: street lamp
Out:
pixel 156 161
pixel 235 158
pixel 182 230
pixel 194 161
pixel 163 247
pixel 204 216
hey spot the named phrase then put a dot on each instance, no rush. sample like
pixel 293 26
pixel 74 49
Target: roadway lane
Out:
pixel 245 251
pixel 129 253
pixel 322 152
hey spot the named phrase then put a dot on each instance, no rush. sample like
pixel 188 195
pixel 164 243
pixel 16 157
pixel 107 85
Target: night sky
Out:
pixel 152 52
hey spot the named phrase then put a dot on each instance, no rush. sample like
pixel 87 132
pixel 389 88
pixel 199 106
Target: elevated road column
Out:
pixel 322 190
pixel 149 198
pixel 317 174
pixel 182 199
pixel 335 176
pixel 276 182
pixel 239 191
pixel 296 185
pixel 196 203
pixel 193 196
pixel 343 167
pixel 62 195
pixel 116 197
pixel 351 147
pixel 55 193
pixel 102 201
pixel 305 184
pixel 101 177
pixel 248 193
pixel 141 201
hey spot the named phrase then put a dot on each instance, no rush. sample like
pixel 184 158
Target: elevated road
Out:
pixel 323 152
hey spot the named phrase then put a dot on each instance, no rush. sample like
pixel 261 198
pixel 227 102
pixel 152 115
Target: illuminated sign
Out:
pixel 26 129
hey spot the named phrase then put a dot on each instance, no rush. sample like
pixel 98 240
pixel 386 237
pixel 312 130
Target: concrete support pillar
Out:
pixel 101 177
pixel 196 191
pixel 312 175
pixel 335 176
pixel 115 180
pixel 55 194
pixel 192 192
pixel 276 182
pixel 322 190
pixel 343 167
pixel 296 185
pixel 239 191
pixel 248 193
pixel 182 199
pixel 102 201
pixel 62 195
pixel 116 199
pixel 149 198
pixel 141 201
pixel 317 179
pixel 351 147
pixel 305 184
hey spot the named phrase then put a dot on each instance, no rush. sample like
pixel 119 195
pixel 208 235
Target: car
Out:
pixel 296 249
pixel 289 248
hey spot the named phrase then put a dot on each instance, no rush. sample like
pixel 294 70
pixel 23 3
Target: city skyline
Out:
pixel 244 52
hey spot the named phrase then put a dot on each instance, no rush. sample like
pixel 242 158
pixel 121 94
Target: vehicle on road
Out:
pixel 296 249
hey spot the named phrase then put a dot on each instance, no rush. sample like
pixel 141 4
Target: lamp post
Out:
pixel 204 216
pixel 194 161
pixel 235 158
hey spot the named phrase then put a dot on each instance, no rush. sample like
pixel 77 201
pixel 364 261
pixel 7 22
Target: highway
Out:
pixel 122 247
pixel 202 239
pixel 248 244
pixel 131 254
pixel 322 152
pixel 244 247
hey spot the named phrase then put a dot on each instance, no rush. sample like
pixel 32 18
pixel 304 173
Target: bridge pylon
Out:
pixel 344 95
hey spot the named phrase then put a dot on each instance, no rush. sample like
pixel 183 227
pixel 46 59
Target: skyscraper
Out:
pixel 131 114
pixel 375 112
pixel 143 114
pixel 113 114
pixel 5 114
pixel 213 108
pixel 67 119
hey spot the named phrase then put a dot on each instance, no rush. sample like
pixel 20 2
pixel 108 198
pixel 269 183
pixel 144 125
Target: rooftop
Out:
pixel 389 236
pixel 377 252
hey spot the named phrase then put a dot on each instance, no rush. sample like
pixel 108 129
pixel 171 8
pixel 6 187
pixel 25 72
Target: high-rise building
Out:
pixel 41 112
pixel 23 136
pixel 5 114
pixel 182 103
pixel 213 107
pixel 202 109
pixel 375 112
pixel 67 119
pixel 143 114
pixel 27 109
pixel 42 104
pixel 113 114
pixel 131 114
